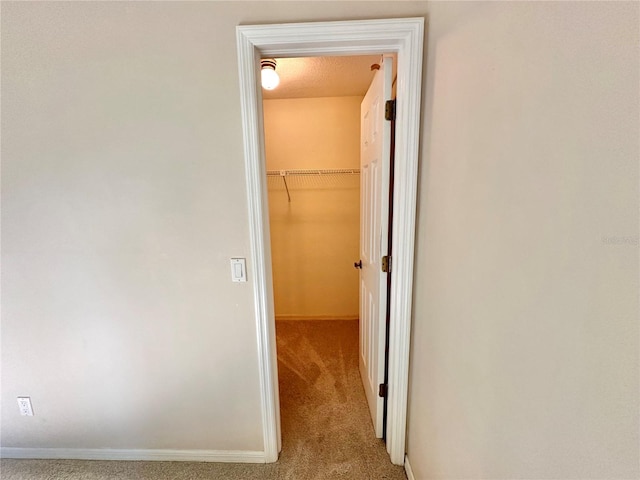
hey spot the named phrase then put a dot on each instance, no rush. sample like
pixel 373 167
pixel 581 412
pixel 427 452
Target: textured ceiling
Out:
pixel 322 77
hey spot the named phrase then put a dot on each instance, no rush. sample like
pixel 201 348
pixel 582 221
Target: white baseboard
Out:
pixel 290 316
pixel 407 469
pixel 227 456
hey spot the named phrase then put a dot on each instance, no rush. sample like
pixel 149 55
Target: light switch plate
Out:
pixel 238 270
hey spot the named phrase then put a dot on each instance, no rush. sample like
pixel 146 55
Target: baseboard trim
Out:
pixel 227 456
pixel 303 318
pixel 407 468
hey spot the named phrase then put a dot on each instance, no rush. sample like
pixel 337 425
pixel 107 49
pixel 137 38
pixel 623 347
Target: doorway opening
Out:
pixel 403 37
pixel 323 126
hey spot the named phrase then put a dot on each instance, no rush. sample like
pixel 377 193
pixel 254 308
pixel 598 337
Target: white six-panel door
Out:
pixel 375 140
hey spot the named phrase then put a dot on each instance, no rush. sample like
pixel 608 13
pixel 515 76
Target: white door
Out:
pixel 375 140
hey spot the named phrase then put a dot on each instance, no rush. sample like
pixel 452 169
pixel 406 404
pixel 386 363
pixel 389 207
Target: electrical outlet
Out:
pixel 24 404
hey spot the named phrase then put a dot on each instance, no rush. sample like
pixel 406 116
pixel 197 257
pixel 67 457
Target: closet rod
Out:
pixel 324 171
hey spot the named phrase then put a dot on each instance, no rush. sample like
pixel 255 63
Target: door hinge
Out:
pixel 390 110
pixel 386 264
pixel 382 390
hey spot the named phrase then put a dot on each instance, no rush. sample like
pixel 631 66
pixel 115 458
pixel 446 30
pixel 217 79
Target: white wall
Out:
pixel 118 181
pixel 525 347
pixel 315 236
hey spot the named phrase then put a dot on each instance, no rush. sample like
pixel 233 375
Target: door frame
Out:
pixel 403 36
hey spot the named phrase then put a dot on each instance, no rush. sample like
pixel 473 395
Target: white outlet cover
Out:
pixel 24 404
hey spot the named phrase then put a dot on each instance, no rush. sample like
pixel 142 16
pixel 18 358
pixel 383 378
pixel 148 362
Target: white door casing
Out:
pixel 403 36
pixel 375 148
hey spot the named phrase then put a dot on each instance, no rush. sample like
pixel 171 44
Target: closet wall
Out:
pixel 315 235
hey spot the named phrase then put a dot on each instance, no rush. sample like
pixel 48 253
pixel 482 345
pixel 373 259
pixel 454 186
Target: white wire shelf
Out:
pixel 311 177
pixel 323 171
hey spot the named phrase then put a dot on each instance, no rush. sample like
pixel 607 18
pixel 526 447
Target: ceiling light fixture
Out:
pixel 270 78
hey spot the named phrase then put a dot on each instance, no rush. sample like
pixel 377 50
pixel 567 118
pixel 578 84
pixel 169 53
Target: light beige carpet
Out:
pixel 326 427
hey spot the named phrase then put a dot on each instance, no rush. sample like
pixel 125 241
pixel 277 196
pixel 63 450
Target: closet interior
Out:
pixel 313 179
